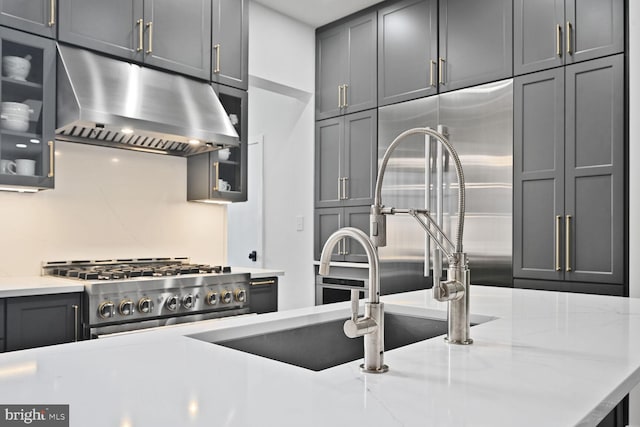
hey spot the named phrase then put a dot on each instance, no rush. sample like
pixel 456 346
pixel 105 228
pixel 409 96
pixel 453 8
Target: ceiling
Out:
pixel 317 12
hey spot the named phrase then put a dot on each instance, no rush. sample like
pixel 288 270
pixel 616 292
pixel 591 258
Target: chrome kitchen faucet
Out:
pixel 455 289
pixel 371 326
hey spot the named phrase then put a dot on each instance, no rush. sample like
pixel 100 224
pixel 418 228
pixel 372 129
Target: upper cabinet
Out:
pixel 551 33
pixel 149 31
pixel 430 46
pixel 475 42
pixel 230 43
pixel 408 51
pixel 346 78
pixel 33 16
pixel 27 130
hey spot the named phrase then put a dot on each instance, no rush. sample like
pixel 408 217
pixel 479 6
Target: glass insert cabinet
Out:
pixel 27 119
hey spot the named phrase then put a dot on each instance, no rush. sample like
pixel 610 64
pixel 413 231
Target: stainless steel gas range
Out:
pixel 129 294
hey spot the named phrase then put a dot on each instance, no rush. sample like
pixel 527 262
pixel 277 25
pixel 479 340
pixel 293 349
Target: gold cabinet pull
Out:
pixel 51 153
pixel 75 321
pixel 559 40
pixel 568 242
pixel 558 238
pixel 569 47
pixel 216 167
pixel 262 282
pixel 339 96
pixel 432 65
pixel 150 27
pixel 216 47
pixel 140 24
pixel 345 104
pixel 441 62
pixel 344 188
pixel 52 12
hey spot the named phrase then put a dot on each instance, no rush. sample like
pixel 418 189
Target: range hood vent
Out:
pixel 103 101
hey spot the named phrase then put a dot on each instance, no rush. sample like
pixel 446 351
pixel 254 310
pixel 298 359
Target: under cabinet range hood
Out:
pixel 103 101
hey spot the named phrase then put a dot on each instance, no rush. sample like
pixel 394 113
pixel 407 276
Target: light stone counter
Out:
pixel 37 285
pixel 548 359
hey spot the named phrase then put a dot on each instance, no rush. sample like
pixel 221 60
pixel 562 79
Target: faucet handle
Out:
pixel 355 302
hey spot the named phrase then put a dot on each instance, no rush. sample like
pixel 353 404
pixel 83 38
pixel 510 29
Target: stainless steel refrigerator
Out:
pixel 479 124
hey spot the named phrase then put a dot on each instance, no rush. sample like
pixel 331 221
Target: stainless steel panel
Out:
pixel 99 96
pixel 480 126
pixel 479 122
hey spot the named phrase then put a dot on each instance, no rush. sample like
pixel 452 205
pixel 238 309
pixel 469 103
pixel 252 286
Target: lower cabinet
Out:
pixel 329 220
pixel 264 295
pixel 2 325
pixel 41 320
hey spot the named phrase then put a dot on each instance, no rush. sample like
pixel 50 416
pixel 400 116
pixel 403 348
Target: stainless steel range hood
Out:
pixel 107 102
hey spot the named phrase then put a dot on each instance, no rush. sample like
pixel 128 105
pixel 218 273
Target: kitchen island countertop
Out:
pixel 547 359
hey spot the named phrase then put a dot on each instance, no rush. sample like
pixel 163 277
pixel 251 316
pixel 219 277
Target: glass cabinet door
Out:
pixel 27 112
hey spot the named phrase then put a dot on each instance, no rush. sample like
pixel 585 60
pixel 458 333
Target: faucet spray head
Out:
pixel 378 227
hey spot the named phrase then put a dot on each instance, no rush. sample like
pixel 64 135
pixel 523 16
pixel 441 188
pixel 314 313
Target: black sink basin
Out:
pixel 324 345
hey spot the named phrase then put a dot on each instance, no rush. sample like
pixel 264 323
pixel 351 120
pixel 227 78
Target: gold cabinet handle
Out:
pixel 339 96
pixel 150 27
pixel 216 47
pixel 558 238
pixel 344 188
pixel 140 24
pixel 559 40
pixel 52 12
pixel 216 166
pixel 345 104
pixel 75 321
pixel 262 282
pixel 568 242
pixel 51 153
pixel 441 62
pixel 569 29
pixel 432 65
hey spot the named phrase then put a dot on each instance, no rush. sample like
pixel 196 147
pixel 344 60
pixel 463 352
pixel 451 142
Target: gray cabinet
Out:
pixel 36 321
pixel 34 16
pixel 475 42
pixel 27 142
pixel 329 220
pixel 2 326
pixel 407 51
pixel 149 31
pixel 263 297
pixel 207 171
pixel 346 75
pixel 230 43
pixel 346 160
pixel 549 33
pixel 569 173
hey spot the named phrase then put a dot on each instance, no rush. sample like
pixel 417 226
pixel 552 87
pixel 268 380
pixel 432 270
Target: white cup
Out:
pixel 8 167
pixel 224 154
pixel 25 167
pixel 223 185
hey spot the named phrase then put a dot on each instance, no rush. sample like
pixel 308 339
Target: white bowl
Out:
pixel 12 123
pixel 15 67
pixel 224 154
pixel 16 109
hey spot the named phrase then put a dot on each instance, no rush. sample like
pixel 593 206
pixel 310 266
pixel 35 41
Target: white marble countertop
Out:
pixel 548 359
pixel 41 285
pixel 37 285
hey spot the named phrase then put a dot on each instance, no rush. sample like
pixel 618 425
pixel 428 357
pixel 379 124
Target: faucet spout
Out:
pixel 371 326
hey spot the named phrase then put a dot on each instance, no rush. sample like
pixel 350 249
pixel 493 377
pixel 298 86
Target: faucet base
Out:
pixel 382 370
pixel 459 342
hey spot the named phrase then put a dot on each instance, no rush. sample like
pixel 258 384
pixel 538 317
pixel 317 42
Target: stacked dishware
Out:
pixel 15 116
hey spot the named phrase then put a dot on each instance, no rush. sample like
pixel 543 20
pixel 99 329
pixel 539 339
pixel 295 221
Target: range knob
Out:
pixel 172 302
pixel 145 305
pixel 211 298
pixel 187 301
pixel 240 295
pixel 106 310
pixel 226 296
pixel 126 307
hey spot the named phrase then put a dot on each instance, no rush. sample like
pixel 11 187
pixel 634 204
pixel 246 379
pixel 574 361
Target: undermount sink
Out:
pixel 323 344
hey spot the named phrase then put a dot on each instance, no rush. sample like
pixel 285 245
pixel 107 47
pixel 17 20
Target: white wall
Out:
pixel 634 176
pixel 108 203
pixel 281 109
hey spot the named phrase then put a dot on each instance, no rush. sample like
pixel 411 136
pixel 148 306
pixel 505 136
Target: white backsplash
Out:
pixel 108 203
